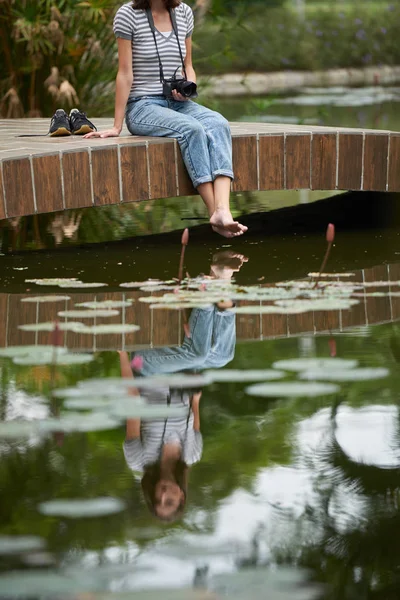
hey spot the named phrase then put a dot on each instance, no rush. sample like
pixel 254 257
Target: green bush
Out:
pixel 276 39
pixel 56 52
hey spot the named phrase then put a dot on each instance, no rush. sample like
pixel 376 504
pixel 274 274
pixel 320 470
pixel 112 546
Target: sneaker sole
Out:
pixel 60 132
pixel 84 129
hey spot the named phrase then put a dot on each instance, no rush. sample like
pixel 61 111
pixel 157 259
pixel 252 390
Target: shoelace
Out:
pixel 79 114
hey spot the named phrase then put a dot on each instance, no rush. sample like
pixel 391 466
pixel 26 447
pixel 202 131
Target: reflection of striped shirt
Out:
pixel 131 24
pixel 146 450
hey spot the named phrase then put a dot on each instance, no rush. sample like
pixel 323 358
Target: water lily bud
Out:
pixel 57 335
pixel 330 233
pixel 185 237
pixel 137 363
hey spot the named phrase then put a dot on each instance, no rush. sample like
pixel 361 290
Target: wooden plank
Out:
pixel 274 325
pixel 138 314
pixel 301 323
pixel 76 175
pixel 109 341
pixel 184 182
pixel 323 175
pixel 47 175
pixel 162 170
pixel 248 327
pixel 378 309
pixel 298 161
pixel 134 171
pixel 394 164
pixel 375 162
pixel 245 163
pixel 355 316
pixel 78 341
pixel 18 187
pixel 167 325
pixel 326 320
pixel 3 323
pixel 350 161
pixel 105 176
pixel 272 162
pixel 2 200
pixel 394 275
pixel 20 313
pixel 48 312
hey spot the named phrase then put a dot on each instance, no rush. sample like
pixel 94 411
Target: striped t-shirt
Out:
pixel 131 24
pixel 154 433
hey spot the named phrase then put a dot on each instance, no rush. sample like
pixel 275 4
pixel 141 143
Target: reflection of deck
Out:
pixel 42 174
pixel 161 327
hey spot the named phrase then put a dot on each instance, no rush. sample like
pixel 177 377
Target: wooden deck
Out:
pixel 165 327
pixel 42 174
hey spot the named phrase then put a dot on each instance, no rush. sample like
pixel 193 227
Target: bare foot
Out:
pixel 222 222
pixel 225 264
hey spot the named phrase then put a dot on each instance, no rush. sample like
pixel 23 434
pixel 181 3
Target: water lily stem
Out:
pixel 322 267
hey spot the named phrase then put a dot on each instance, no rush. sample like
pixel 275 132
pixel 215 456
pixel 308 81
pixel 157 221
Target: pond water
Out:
pixel 254 454
pixel 205 421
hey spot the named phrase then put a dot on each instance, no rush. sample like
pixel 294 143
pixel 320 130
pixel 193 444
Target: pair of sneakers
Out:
pixel 76 123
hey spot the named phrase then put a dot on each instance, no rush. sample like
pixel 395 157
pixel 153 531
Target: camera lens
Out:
pixel 187 89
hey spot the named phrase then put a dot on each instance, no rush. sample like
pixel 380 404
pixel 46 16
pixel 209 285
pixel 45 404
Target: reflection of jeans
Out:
pixel 204 136
pixel 211 345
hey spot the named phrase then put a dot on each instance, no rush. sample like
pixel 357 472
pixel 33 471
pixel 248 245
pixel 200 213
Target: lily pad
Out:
pixel 97 388
pixel 44 584
pixel 237 375
pixel 45 299
pixel 179 306
pixel 303 364
pixel 292 390
pixel 106 304
pixel 78 509
pixel 113 328
pixel 62 359
pixel 271 310
pixel 52 280
pixel 81 284
pixel 14 430
pixel 363 374
pixel 130 409
pixel 100 404
pixel 331 275
pixel 138 284
pixel 173 381
pixel 50 325
pixel 16 544
pixel 87 314
pixel 322 304
pixel 38 350
pixel 78 422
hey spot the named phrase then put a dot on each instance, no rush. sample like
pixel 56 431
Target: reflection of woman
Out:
pixel 163 450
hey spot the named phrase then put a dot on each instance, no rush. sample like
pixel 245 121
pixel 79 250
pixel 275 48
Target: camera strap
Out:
pixel 154 30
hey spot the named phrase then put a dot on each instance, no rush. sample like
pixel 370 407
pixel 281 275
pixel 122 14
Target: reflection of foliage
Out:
pixel 242 435
pixel 360 560
pixel 108 223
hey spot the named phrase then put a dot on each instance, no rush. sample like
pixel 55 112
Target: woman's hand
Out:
pixel 178 97
pixel 113 132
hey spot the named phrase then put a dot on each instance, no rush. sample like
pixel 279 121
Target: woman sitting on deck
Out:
pixel 154 44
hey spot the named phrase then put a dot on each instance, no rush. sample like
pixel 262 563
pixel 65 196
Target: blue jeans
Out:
pixel 204 136
pixel 211 345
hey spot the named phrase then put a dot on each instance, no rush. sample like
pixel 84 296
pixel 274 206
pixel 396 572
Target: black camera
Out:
pixel 188 89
